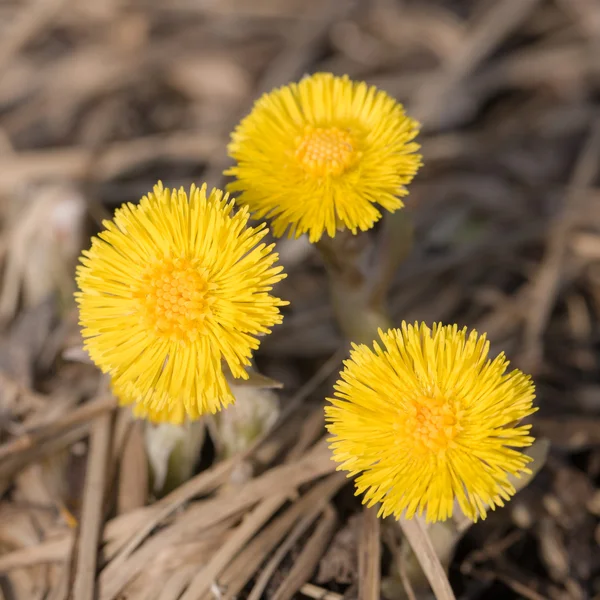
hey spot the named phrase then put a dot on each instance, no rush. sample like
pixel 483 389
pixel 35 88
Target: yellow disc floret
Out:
pixel 175 299
pixel 326 150
pixel 432 422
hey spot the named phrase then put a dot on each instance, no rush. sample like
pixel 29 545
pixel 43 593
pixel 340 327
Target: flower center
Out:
pixel 433 423
pixel 325 150
pixel 174 298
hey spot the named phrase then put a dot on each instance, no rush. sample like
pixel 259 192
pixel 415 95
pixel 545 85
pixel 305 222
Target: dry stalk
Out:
pixel 417 537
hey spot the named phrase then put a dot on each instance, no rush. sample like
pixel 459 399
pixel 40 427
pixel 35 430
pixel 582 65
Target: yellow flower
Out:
pixel 172 288
pixel 318 155
pixel 429 419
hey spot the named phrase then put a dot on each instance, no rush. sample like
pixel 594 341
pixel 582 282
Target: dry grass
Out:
pixel 98 100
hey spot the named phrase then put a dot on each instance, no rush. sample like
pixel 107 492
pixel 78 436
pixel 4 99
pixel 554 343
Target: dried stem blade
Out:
pixel 369 556
pixel 417 536
pixel 92 513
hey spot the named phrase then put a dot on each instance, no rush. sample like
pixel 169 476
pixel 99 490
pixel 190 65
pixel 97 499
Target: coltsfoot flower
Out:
pixel 172 289
pixel 428 419
pixel 321 154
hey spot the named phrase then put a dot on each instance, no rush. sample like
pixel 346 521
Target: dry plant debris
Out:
pixel 100 99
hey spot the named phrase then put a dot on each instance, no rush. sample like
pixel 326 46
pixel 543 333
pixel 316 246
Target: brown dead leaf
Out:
pixel 340 561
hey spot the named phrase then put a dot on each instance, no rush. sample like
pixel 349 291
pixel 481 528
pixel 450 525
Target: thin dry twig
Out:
pixel 43 449
pixel 251 524
pixel 514 585
pixel 92 512
pixel 245 565
pixel 393 540
pixel 283 479
pixel 140 523
pixel 133 471
pixel 305 564
pixel 369 556
pixel 201 583
pixel 500 20
pixel 333 483
pixel 31 20
pixel 417 537
pixel 321 375
pixel 491 550
pixel 546 283
pixel 176 584
pixel 201 484
pixel 404 578
pixel 211 478
pixel 191 525
pixel 318 593
pixel 86 412
pixel 50 551
pixel 109 162
pixel 61 591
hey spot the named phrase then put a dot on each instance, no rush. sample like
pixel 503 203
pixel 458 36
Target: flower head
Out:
pixel 320 154
pixel 429 419
pixel 172 288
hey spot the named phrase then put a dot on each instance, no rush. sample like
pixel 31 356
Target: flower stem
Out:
pixel 361 269
pixel 419 540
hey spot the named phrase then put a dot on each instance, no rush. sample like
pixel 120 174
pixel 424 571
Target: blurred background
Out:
pixel 99 100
